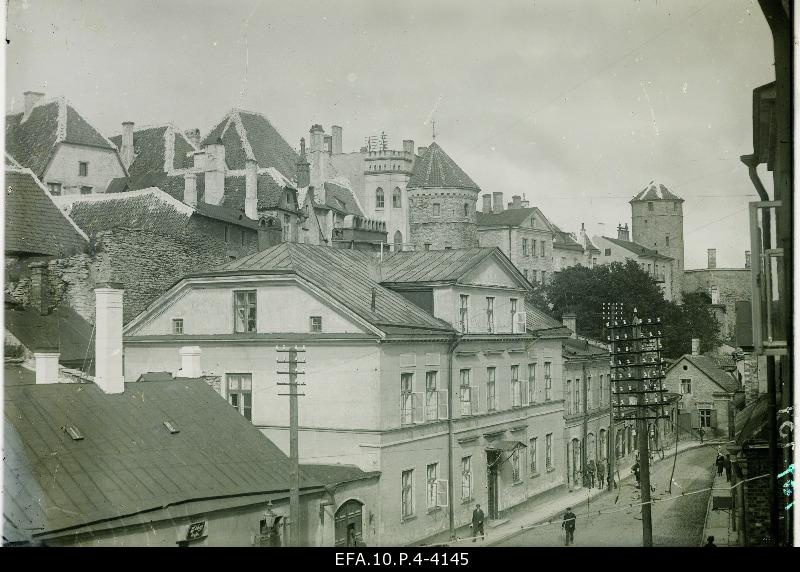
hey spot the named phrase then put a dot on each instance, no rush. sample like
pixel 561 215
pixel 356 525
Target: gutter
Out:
pixel 450 470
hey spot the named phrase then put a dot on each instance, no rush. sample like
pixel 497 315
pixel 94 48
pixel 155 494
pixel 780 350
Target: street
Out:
pixel 676 522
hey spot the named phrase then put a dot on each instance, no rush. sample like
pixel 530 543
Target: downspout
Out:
pixel 585 415
pixel 450 469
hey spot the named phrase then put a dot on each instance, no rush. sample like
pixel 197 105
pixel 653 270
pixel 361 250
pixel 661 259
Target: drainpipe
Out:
pixel 585 415
pixel 450 470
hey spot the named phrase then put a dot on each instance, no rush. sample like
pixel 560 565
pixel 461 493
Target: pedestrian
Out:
pixel 710 543
pixel 636 472
pixel 569 526
pixel 601 474
pixel 477 523
pixel 720 464
pixel 728 468
pixel 590 470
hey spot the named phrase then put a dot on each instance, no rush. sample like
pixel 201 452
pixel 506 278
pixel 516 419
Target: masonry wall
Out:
pixel 704 393
pixel 104 165
pixel 651 229
pixel 734 285
pixel 531 264
pixel 451 228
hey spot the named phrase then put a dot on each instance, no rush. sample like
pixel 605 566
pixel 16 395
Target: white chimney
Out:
pixel 336 132
pixel 108 335
pixel 31 99
pixel 570 321
pixel 487 203
pixel 215 173
pixel 497 202
pixel 695 347
pixel 46 366
pixel 126 151
pixel 251 189
pixel 199 159
pixel 712 258
pixel 190 189
pixel 190 362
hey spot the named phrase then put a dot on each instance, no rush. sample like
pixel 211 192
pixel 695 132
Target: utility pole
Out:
pixel 612 311
pixel 294 453
pixel 642 434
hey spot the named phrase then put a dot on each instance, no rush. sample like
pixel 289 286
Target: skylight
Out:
pixel 73 432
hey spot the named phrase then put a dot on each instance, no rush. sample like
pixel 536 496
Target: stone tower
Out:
pixel 657 223
pixel 441 203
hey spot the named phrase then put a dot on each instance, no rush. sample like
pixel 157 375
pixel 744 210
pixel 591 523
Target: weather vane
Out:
pixel 433 125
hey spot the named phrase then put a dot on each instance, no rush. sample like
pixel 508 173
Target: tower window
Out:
pixel 466 209
pixel 379 198
pixel 650 207
pixel 396 198
pixel 666 240
pixel 436 209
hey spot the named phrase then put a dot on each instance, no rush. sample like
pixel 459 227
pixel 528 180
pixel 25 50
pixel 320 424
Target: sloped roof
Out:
pixel 431 265
pixel 269 192
pixel 32 142
pixel 250 135
pixel 564 240
pixel 750 424
pixel 655 191
pixel 335 192
pixel 436 169
pixel 335 474
pixel 509 217
pixel 34 224
pixel 637 249
pixel 537 320
pixel 579 348
pixel 588 244
pixel 162 148
pixel 63 329
pixel 715 374
pixel 722 361
pixel 127 461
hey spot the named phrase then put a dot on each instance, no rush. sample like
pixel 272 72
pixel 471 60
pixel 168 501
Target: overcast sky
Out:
pixel 576 104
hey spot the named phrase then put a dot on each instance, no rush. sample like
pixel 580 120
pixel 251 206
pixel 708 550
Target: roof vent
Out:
pixel 171 428
pixel 73 432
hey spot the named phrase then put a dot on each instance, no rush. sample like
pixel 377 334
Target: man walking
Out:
pixel 635 471
pixel 590 468
pixel 720 462
pixel 569 526
pixel 477 523
pixel 601 474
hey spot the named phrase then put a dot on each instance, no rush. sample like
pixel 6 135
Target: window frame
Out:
pixel 431 487
pixel 687 383
pixel 407 493
pixel 464 313
pixel 548 447
pixel 406 398
pixel 516 469
pixel 380 198
pixel 532 382
pixel 516 387
pixel 397 198
pixel 490 314
pixel 55 189
pixel 548 381
pixel 175 328
pixel 240 393
pixel 315 328
pixel 83 168
pixel 491 382
pixel 466 475
pixel 437 210
pixel 246 306
pixel 533 461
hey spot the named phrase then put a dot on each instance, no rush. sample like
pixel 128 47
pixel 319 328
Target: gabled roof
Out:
pixel 581 348
pixel 436 169
pixel 509 217
pixel 33 142
pixel 270 192
pixel 34 224
pixel 162 148
pixel 250 135
pixel 564 240
pixel 711 371
pixel 750 424
pixel 537 321
pixel 128 462
pixel 655 191
pixel 723 361
pixel 341 198
pixel 63 329
pixel 431 265
pixel 637 249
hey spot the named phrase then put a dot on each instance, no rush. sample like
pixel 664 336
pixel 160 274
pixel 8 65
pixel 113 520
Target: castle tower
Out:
pixel 442 201
pixel 657 223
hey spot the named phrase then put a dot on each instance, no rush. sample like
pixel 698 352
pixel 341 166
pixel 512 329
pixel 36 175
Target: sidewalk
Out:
pixel 718 522
pixel 540 508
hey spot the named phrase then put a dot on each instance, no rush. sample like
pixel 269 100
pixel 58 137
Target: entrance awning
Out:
pixel 507 446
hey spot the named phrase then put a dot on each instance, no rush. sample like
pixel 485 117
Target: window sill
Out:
pixel 518 483
pixel 408 518
pixel 434 509
pixel 534 474
pixel 467 500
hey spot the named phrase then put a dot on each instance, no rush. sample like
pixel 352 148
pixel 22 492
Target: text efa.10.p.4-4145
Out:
pixel 402 559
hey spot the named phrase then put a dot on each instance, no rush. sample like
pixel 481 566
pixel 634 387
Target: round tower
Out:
pixel 441 200
pixel 657 223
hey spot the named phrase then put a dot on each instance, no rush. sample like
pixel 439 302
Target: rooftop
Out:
pixel 714 373
pixel 637 249
pixel 508 217
pixel 435 169
pixel 161 148
pixel 655 191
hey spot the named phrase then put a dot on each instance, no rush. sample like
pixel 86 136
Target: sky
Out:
pixel 578 105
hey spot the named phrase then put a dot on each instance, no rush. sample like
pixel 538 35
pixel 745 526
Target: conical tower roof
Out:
pixel 436 169
pixel 655 191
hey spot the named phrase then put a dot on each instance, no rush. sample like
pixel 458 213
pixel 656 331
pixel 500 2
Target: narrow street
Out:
pixel 676 522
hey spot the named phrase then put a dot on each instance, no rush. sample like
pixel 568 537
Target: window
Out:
pixel 516 393
pixel 602 400
pixel 524 247
pixel 379 198
pixel 240 393
pixel 543 276
pixel 464 314
pixel 406 398
pixel 548 451
pixel 244 311
pixel 491 395
pixel 650 207
pixel 86 190
pixel 705 418
pixel 603 444
pixel 431 396
pixel 588 393
pixel 287 221
pixel 649 268
pixel 489 314
pixel 177 325
pixel 289 200
pixel 437 208
pixel 608 252
pixel 666 240
pixel 548 381
pixel 515 472
pixel 686 386
pixel 244 238
pixel 227 234
pixel 316 323
pixel 466 209
pixel 532 452
pixel 407 493
pixel 715 295
pixel 531 383
pixel 397 200
pixel 567 397
pixel 466 478
pixel 513 311
pixel 433 470
pixel 465 392
pixel 541 245
pixel 83 169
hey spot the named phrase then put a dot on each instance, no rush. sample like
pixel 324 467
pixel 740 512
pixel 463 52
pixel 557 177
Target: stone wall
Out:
pixel 451 228
pixel 734 285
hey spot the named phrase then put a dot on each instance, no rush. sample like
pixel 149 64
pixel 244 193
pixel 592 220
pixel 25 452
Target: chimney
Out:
pixel 570 321
pixel 126 151
pixel 193 135
pixel 327 144
pixel 487 203
pixel 199 159
pixel 497 202
pixel 747 259
pixel 421 151
pixel 46 366
pixel 40 288
pixel 251 189
pixel 525 202
pixel 712 257
pixel 516 202
pixel 31 99
pixel 108 337
pixel 336 133
pixel 316 133
pixel 750 378
pixel 215 172
pixel 190 189
pixel 408 146
pixel 303 166
pixel 190 362
pixel 622 232
pixel 695 346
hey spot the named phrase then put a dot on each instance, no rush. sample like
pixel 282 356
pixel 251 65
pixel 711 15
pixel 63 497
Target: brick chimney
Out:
pixel 126 150
pixel 190 362
pixel 747 259
pixel 570 321
pixel 695 346
pixel 487 203
pixel 251 189
pixel 712 257
pixel 497 202
pixel 327 144
pixel 303 167
pixel 316 133
pixel 622 232
pixel 193 135
pixel 46 366
pixel 40 288
pixel 408 146
pixel 108 336
pixel 199 159
pixel 421 151
pixel 336 133
pixel 190 189
pixel 516 202
pixel 31 99
pixel 215 172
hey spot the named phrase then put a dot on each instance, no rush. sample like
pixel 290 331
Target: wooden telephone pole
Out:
pixel 294 453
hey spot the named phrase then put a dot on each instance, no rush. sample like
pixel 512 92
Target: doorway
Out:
pixel 347 524
pixel 492 468
pixel 576 462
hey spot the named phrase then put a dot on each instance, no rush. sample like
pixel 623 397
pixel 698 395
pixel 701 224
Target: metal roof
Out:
pixel 431 265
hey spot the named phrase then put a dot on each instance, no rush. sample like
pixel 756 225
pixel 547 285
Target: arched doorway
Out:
pixel 398 241
pixel 347 524
pixel 591 448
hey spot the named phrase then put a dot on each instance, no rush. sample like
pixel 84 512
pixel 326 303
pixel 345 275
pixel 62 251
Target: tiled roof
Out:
pixel 537 320
pixel 250 135
pixel 715 374
pixel 349 276
pixel 581 348
pixel 637 249
pixel 269 192
pixel 436 169
pixel 63 329
pixel 655 191
pixel 564 240
pixel 334 193
pixel 509 217
pixel 431 265
pixel 32 142
pixel 162 149
pixel 335 474
pixel 34 224
pixel 722 361
pixel 127 461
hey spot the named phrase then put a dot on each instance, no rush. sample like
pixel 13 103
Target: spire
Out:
pixel 433 126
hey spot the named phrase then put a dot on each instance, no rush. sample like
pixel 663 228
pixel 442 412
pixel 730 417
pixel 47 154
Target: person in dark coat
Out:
pixel 601 474
pixel 636 472
pixel 569 526
pixel 710 543
pixel 720 464
pixel 477 523
pixel 728 468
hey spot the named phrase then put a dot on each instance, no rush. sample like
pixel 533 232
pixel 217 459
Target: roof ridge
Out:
pixel 243 134
pixel 67 202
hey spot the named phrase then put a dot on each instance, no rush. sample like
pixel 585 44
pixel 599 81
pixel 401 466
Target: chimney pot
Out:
pixel 408 146
pixel 623 233
pixel 108 337
pixel 46 366
pixel 516 201
pixel 487 203
pixel 712 257
pixel 40 288
pixel 695 346
pixel 497 202
pixel 570 321
pixel 31 99
pixel 190 362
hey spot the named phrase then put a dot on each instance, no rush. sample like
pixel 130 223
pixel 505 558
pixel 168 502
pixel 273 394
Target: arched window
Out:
pixel 466 209
pixel 397 201
pixel 379 198
pixel 347 524
pixel 398 241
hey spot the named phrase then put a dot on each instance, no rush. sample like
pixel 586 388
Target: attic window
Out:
pixel 73 432
pixel 171 428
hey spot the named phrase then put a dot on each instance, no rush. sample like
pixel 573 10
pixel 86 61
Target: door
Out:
pixel 347 524
pixel 492 467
